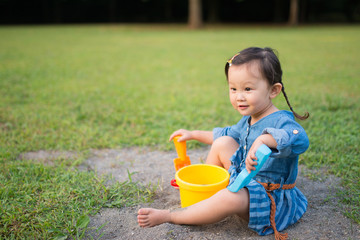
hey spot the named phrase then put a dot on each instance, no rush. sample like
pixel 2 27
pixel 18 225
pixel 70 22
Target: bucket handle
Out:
pixel 173 183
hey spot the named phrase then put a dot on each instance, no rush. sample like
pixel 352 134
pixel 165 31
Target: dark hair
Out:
pixel 269 66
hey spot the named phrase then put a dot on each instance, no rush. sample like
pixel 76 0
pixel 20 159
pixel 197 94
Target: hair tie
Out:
pixel 231 59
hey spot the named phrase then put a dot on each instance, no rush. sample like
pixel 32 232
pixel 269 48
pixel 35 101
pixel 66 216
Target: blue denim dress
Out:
pixel 281 168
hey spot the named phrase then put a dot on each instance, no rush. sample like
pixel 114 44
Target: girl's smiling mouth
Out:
pixel 243 106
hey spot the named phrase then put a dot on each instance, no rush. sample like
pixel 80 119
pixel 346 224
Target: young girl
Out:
pixel 270 202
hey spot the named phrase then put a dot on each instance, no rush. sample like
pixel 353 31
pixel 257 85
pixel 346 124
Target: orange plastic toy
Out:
pixel 182 160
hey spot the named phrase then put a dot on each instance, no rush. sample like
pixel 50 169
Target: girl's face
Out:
pixel 250 93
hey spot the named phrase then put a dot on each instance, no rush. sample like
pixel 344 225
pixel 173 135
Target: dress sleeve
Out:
pixel 290 137
pixel 231 131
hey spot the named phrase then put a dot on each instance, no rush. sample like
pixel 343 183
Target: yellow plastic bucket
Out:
pixel 200 181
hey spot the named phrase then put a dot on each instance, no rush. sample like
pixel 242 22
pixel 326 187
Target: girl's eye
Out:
pixel 247 89
pixel 233 89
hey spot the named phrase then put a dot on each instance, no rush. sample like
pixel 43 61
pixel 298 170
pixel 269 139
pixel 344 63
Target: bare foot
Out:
pixel 149 217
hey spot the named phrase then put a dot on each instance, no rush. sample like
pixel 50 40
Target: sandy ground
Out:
pixel 323 219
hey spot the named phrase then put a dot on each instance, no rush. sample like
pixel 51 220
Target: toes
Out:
pixel 143 223
pixel 149 217
pixel 143 217
pixel 144 211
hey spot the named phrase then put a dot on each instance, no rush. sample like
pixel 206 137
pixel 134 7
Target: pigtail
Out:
pixel 305 116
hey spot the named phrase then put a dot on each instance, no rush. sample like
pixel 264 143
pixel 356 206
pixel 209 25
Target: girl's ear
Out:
pixel 275 90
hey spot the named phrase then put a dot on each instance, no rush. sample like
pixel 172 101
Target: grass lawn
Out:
pixel 114 86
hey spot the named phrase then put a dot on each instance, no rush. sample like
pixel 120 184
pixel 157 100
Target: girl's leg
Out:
pixel 221 205
pixel 224 203
pixel 221 151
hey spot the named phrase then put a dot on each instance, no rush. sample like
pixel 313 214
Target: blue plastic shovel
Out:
pixel 244 177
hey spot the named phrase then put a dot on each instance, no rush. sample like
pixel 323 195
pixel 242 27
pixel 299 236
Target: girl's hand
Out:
pixel 249 161
pixel 185 135
pixel 266 139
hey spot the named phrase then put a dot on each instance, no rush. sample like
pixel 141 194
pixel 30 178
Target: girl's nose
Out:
pixel 240 96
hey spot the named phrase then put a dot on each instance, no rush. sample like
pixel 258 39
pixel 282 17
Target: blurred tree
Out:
pixel 195 14
pixel 192 12
pixel 294 12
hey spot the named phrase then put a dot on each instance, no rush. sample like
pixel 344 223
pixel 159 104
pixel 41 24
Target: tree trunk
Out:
pixel 294 12
pixel 195 14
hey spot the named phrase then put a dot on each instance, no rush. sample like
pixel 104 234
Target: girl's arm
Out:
pixel 266 139
pixel 201 136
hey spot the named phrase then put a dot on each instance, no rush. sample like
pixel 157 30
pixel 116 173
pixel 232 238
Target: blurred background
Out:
pixel 68 85
pixel 172 11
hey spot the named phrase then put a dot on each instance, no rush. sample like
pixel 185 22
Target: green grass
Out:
pixel 108 86
pixel 42 202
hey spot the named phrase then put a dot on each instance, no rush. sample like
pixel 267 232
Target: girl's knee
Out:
pixel 221 151
pixel 225 142
pixel 237 198
pixel 237 203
